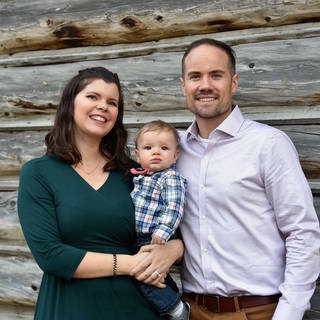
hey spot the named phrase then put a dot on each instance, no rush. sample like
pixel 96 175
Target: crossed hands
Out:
pixel 154 262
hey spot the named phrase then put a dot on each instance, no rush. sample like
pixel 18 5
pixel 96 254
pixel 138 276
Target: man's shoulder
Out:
pixel 260 129
pixel 263 136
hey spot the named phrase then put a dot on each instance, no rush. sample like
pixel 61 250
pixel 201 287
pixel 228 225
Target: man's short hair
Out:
pixel 157 125
pixel 214 43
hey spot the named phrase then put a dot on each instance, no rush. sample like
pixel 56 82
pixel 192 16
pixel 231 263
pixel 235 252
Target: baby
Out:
pixel 159 198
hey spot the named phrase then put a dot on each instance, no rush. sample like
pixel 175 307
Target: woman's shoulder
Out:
pixel 40 165
pixel 40 161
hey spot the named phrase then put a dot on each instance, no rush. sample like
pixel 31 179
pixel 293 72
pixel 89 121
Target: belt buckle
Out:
pixel 218 303
pixel 218 310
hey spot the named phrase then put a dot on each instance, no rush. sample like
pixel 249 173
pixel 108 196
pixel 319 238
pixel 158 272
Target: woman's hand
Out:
pixel 138 259
pixel 154 268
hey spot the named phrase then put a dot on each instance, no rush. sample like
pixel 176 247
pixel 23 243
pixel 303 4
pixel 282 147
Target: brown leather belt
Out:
pixel 229 304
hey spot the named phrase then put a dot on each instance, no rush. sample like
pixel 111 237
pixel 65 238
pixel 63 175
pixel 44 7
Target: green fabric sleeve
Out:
pixel 36 210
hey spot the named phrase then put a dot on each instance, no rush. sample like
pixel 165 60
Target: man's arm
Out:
pixel 288 191
pixel 160 259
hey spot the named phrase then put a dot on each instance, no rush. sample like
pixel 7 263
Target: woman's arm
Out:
pixel 37 214
pixel 95 265
pixel 160 259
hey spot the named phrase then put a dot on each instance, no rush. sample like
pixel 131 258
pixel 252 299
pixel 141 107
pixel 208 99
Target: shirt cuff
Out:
pixel 284 311
pixel 163 232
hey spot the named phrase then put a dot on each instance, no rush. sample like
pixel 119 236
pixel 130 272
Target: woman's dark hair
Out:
pixel 60 141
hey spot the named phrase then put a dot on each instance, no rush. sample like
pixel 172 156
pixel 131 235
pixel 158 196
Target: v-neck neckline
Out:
pixel 88 184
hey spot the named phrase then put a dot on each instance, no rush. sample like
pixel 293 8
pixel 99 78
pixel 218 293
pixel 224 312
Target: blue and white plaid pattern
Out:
pixel 159 202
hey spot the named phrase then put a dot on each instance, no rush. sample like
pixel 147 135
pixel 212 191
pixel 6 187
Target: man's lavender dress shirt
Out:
pixel 250 227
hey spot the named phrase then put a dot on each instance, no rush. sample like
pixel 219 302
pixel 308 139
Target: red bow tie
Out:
pixel 144 172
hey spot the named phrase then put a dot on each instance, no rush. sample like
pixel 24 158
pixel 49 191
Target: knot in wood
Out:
pixel 159 18
pixel 67 32
pixel 34 287
pixel 218 22
pixel 128 22
pixel 12 204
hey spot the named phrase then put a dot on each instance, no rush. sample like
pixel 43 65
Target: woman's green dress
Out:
pixel 62 217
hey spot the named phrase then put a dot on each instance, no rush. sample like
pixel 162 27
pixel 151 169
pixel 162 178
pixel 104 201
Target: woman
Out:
pixel 76 212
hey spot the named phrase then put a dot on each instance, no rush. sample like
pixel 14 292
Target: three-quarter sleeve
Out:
pixel 37 214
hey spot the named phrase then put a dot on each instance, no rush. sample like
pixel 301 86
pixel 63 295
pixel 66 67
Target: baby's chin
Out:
pixel 157 169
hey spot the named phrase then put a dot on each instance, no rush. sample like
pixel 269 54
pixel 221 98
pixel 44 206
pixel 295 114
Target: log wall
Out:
pixel 44 43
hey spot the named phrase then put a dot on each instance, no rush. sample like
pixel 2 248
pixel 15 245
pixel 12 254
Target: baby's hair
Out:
pixel 157 125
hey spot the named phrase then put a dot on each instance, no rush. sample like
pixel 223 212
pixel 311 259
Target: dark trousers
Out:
pixel 162 299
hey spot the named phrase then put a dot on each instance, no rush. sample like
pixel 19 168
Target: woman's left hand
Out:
pixel 154 268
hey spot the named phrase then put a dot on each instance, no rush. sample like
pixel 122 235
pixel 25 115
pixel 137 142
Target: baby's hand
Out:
pixel 157 240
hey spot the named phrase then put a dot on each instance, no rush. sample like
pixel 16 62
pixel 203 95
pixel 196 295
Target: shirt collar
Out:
pixel 231 125
pixel 172 167
pixel 193 131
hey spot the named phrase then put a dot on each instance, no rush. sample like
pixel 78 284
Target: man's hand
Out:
pixel 155 267
pixel 157 240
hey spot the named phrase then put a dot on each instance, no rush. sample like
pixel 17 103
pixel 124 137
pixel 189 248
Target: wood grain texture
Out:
pixel 275 86
pixel 14 312
pixel 78 23
pixel 44 43
pixel 19 147
pixel 9 183
pixel 10 229
pixel 306 140
pixel 178 44
pixel 269 114
pixel 20 280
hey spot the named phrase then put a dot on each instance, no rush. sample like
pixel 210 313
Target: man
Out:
pixel 250 230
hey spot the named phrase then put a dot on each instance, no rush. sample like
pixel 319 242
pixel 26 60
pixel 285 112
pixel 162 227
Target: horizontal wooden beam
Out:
pixel 273 115
pixel 9 183
pixel 315 187
pixel 8 249
pixel 134 22
pixel 275 87
pixel 20 281
pixel 19 147
pixel 14 312
pixel 92 53
pixel 306 140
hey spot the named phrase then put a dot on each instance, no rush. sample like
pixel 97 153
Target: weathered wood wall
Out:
pixel 44 43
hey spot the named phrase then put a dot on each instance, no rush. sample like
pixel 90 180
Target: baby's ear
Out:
pixel 137 155
pixel 176 155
